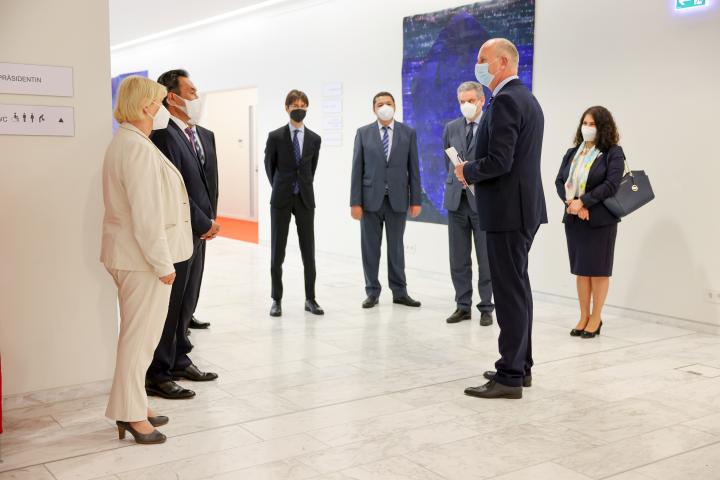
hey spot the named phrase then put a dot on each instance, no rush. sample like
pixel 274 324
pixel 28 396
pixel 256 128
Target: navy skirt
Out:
pixel 591 250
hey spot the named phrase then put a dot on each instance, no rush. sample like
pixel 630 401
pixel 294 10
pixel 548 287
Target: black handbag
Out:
pixel 634 192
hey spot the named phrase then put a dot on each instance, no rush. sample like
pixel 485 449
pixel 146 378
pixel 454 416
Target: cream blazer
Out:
pixel 147 216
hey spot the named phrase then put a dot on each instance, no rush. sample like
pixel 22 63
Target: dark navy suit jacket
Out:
pixel 603 181
pixel 506 169
pixel 202 187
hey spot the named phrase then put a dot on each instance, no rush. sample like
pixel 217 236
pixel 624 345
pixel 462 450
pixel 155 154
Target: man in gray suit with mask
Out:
pixel 385 186
pixel 463 221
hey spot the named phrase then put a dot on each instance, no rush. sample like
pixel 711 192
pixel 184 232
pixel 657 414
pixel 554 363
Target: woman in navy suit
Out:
pixel 591 172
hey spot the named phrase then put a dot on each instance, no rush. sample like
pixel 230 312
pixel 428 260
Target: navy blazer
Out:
pixel 506 172
pixel 176 146
pixel 455 135
pixel 371 172
pixel 283 171
pixel 603 181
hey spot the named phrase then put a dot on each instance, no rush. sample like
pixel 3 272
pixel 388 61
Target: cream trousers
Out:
pixel 144 301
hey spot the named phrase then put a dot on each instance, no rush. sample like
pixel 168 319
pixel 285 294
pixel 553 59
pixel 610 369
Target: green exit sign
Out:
pixel 682 4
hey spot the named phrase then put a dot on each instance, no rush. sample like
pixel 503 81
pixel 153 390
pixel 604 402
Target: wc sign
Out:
pixel 684 4
pixel 40 120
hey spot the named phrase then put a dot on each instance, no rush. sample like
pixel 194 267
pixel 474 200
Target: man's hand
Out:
pixel 356 212
pixel 575 206
pixel 168 279
pixel 212 233
pixel 584 214
pixel 415 210
pixel 459 172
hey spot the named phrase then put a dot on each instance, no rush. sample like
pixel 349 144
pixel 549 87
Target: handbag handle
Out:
pixel 628 171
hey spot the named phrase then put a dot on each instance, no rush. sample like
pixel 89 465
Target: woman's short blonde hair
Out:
pixel 136 93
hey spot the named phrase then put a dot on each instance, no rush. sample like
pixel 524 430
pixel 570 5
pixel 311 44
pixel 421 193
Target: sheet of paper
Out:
pixel 454 157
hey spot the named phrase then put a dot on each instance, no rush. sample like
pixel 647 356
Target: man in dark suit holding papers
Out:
pixel 511 207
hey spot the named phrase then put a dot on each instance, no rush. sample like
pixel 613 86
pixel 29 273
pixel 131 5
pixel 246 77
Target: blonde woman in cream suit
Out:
pixel 146 230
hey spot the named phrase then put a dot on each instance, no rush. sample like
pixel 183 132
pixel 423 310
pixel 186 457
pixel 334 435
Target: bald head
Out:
pixel 502 58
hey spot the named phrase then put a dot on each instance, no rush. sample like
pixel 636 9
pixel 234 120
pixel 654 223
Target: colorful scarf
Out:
pixel 577 180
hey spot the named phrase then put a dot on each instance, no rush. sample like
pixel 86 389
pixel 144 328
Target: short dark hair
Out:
pixel 382 94
pixel 171 81
pixel 295 95
pixel 607 132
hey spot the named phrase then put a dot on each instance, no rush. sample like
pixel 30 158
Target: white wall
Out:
pixel 58 318
pixel 653 68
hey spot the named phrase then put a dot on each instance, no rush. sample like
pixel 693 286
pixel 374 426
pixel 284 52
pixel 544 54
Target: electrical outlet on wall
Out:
pixel 712 296
pixel 410 248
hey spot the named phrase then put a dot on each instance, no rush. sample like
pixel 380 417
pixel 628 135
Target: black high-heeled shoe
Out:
pixel 587 334
pixel 158 420
pixel 576 333
pixel 152 438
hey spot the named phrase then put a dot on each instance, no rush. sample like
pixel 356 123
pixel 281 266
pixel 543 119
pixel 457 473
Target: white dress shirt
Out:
pixel 503 83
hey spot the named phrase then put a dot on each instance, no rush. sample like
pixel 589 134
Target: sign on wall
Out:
pixel 37 120
pixel 682 4
pixel 22 79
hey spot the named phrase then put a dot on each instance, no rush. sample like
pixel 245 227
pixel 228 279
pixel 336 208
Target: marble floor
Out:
pixel 377 394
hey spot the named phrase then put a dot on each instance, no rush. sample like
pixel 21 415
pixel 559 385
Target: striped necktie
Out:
pixel 196 145
pixel 386 143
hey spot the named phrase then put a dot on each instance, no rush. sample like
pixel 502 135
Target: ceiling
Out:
pixel 133 19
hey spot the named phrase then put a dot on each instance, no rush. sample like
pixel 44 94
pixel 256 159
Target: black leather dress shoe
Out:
pixel 407 301
pixel 458 316
pixel 492 389
pixel 169 390
pixel 527 379
pixel 193 373
pixel 276 309
pixel 486 319
pixel 313 307
pixel 370 301
pixel 197 324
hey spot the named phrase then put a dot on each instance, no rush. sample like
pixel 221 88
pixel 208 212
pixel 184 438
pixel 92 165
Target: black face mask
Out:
pixel 297 115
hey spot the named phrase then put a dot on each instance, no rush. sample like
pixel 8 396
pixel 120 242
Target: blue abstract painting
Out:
pixel 439 53
pixel 115 84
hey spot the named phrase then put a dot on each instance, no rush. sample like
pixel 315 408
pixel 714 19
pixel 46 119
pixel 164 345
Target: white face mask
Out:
pixel 588 133
pixel 469 110
pixel 161 118
pixel 385 113
pixel 193 109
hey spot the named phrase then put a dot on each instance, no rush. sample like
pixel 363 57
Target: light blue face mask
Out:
pixel 483 75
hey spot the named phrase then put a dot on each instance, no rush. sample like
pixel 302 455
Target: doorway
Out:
pixel 230 114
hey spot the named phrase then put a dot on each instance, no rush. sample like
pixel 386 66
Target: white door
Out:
pixel 230 115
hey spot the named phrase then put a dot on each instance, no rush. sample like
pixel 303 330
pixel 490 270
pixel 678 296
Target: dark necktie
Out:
pixel 386 143
pixel 298 156
pixel 196 145
pixel 469 136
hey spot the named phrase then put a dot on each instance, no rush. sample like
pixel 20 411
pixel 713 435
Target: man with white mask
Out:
pixel 463 221
pixel 191 148
pixel 385 188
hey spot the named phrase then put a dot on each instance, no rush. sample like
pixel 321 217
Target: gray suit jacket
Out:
pixel 454 136
pixel 371 172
